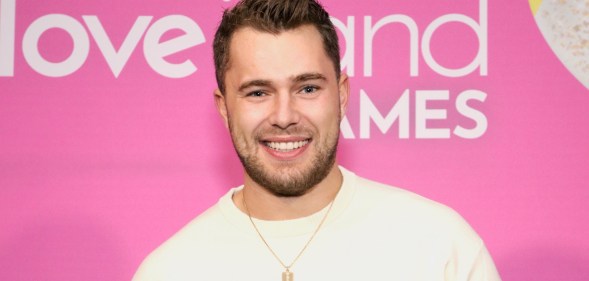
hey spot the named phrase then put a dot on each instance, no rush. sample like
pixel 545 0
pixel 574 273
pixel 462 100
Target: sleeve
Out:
pixel 483 268
pixel 471 262
pixel 469 259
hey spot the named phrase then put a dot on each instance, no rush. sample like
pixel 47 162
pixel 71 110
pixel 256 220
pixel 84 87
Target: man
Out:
pixel 299 215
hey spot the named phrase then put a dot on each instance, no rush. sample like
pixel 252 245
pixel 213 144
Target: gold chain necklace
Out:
pixel 287 275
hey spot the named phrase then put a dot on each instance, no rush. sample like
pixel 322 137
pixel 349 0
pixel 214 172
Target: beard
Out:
pixel 286 179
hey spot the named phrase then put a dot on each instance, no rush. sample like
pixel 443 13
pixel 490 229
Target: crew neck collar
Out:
pixel 293 227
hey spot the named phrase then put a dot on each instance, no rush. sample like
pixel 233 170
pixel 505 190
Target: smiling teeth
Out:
pixel 286 146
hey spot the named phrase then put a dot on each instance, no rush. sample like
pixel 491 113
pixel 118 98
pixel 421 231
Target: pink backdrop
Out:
pixel 106 153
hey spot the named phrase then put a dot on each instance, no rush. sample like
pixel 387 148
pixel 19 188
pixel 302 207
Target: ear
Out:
pixel 344 93
pixel 221 106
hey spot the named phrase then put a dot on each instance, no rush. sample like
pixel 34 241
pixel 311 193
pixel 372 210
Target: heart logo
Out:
pixel 565 26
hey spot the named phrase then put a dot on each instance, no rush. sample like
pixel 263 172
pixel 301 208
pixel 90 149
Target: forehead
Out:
pixel 256 54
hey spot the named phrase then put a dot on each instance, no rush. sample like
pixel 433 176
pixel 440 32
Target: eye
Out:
pixel 256 94
pixel 309 89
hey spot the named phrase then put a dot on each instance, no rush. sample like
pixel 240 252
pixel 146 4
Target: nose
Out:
pixel 285 112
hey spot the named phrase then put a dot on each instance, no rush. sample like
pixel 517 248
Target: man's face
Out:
pixel 283 105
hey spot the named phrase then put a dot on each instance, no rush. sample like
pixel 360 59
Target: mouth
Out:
pixel 286 146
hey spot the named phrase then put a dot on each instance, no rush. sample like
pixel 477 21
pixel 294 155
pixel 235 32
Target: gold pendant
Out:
pixel 287 276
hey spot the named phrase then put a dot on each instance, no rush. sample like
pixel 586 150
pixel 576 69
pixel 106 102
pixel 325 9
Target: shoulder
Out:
pixel 398 199
pixel 191 245
pixel 404 222
pixel 406 211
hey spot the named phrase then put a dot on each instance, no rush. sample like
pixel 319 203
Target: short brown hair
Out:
pixel 272 16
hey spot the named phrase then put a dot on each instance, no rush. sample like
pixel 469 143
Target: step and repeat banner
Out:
pixel 110 141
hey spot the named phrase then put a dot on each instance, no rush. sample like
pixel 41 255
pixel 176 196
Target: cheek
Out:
pixel 324 115
pixel 246 120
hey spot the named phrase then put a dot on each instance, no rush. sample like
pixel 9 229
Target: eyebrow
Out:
pixel 309 76
pixel 254 83
pixel 297 79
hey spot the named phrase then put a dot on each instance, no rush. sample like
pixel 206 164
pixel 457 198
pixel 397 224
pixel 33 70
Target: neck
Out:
pixel 264 205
